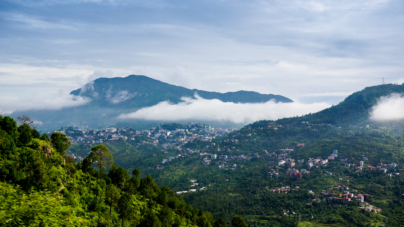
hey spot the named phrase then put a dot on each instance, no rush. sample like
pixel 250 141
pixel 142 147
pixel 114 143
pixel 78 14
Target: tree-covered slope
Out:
pixel 242 185
pixel 354 109
pixel 41 186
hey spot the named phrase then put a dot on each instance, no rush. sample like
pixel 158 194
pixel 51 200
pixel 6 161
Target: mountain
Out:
pixel 111 97
pixel 242 175
pixel 140 91
pixel 285 172
pixel 354 109
pixel 281 173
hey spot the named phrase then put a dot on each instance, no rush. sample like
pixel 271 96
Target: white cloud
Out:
pixel 276 47
pixel 341 94
pixel 216 110
pixel 388 108
pixel 42 102
pixel 122 96
pixel 35 23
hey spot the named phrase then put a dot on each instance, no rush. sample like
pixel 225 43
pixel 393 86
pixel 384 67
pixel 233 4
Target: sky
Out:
pixel 310 51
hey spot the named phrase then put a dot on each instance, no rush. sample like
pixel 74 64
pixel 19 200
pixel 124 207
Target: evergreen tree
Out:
pixel 60 142
pixel 136 172
pixel 8 125
pixel 125 208
pixel 35 134
pixel 102 156
pixel 25 134
pixel 132 185
pixel 166 217
pixel 112 196
pixel 151 220
pixel 119 176
pixel 45 137
pixel 238 221
pixel 220 223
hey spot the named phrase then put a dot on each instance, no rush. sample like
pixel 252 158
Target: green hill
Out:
pixel 242 186
pixel 353 110
pixel 41 186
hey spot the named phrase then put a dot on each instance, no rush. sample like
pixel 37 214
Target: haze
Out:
pixel 309 51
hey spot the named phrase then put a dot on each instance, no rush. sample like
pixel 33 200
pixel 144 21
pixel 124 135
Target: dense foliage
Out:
pixel 41 186
pixel 354 109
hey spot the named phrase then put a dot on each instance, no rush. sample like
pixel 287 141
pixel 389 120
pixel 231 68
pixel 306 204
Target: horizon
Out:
pixel 310 51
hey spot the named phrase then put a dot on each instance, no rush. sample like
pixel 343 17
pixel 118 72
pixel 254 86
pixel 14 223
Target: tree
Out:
pixel 87 165
pixel 148 187
pixel 203 221
pixel 112 196
pixel 35 134
pixel 125 208
pixel 238 221
pixel 45 137
pixel 8 125
pixel 132 185
pixel 60 142
pixel 119 176
pixel 166 217
pixel 25 134
pixel 102 156
pixel 220 223
pixel 7 145
pixel 24 120
pixel 151 220
pixel 136 172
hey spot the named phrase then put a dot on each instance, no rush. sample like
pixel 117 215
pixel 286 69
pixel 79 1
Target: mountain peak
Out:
pixel 139 91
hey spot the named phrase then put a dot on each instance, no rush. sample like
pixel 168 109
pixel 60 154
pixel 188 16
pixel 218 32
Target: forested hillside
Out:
pixel 41 186
pixel 240 179
pixel 332 168
pixel 353 110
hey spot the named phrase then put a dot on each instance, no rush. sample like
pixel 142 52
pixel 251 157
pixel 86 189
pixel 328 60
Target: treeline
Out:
pixel 41 186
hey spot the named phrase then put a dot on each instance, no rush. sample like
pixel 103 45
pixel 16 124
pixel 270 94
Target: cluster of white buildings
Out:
pixel 194 184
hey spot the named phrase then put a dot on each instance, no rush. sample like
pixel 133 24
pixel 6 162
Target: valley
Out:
pixel 318 170
pixel 313 170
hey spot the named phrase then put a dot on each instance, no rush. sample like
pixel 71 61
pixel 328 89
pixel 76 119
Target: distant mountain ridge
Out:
pixel 111 97
pixel 354 110
pixel 140 91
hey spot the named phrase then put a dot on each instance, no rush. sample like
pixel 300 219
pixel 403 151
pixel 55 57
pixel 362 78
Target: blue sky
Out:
pixel 310 51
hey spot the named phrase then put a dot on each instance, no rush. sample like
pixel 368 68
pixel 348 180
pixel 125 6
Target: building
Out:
pixel 291 164
pixel 110 130
pixel 361 163
pixel 346 200
pixel 360 198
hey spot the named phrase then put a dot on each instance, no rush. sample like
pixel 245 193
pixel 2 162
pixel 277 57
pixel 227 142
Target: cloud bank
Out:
pixel 388 108
pixel 216 110
pixel 310 50
pixel 42 102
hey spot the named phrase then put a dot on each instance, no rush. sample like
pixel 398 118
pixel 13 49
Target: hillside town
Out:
pixel 161 136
